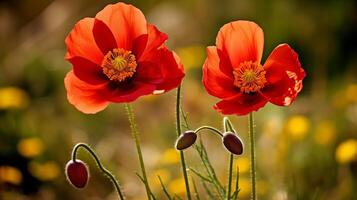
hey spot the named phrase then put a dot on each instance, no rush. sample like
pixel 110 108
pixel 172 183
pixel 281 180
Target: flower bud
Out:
pixel 77 173
pixel 232 143
pixel 186 140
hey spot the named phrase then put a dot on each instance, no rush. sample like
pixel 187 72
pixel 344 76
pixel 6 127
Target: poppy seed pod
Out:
pixel 77 173
pixel 187 139
pixel 232 143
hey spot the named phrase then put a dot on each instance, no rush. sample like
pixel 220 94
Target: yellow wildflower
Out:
pixel 10 174
pixel 297 127
pixel 325 133
pixel 45 171
pixel 244 186
pixel 351 93
pixel 171 156
pixel 30 147
pixel 13 97
pixel 243 164
pixel 177 186
pixel 347 151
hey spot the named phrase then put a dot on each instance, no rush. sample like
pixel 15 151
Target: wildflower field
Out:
pixel 189 99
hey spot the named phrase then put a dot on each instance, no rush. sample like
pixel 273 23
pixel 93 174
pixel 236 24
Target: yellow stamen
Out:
pixel 119 64
pixel 249 77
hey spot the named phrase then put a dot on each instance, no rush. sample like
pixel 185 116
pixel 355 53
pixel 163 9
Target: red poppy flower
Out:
pixel 117 57
pixel 233 73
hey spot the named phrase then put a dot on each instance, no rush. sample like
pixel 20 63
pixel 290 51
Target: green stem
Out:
pixel 230 174
pixel 104 170
pixel 214 130
pixel 134 133
pixel 228 126
pixel 237 185
pixel 182 155
pixel 252 155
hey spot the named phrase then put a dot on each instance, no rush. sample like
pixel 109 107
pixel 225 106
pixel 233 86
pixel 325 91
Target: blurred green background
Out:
pixel 305 151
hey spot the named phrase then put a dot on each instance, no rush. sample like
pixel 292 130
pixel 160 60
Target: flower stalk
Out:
pixel 104 170
pixel 230 174
pixel 252 155
pixel 135 135
pixel 214 130
pixel 228 127
pixel 182 155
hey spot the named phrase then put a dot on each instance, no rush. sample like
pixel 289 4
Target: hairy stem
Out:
pixel 214 130
pixel 230 174
pixel 252 155
pixel 182 155
pixel 104 170
pixel 228 127
pixel 135 135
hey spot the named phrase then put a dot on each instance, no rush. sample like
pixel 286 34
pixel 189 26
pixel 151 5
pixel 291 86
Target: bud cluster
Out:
pixel 229 139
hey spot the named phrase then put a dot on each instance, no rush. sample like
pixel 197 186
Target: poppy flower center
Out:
pixel 249 76
pixel 119 64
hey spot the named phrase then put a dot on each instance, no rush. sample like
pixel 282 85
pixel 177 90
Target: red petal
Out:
pixel 126 22
pixel 127 91
pixel 284 75
pixel 155 40
pixel 162 68
pixel 139 45
pixel 241 41
pixel 87 71
pixel 217 83
pixel 103 37
pixel 80 42
pixel 225 65
pixel 172 69
pixel 149 72
pixel 277 82
pixel 84 97
pixel 241 104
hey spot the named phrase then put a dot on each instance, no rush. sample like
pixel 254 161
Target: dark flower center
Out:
pixel 249 77
pixel 119 64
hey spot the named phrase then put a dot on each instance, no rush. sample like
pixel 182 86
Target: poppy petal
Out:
pixel 87 71
pixel 241 104
pixel 162 68
pixel 241 41
pixel 217 83
pixel 172 69
pixel 139 45
pixel 125 22
pixel 149 72
pixel 285 74
pixel 83 96
pixel 155 40
pixel 225 64
pixel 80 42
pixel 127 91
pixel 103 37
pixel 275 87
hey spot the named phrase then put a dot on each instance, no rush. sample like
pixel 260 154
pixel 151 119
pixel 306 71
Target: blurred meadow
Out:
pixel 305 151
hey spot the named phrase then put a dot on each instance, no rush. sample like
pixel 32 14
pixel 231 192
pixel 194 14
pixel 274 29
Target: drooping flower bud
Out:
pixel 187 139
pixel 232 143
pixel 77 173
